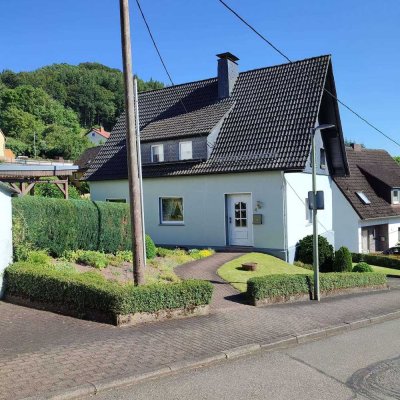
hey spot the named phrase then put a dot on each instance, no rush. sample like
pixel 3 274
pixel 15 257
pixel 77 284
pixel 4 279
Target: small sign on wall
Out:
pixel 257 219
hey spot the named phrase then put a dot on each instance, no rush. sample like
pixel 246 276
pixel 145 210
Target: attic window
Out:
pixel 396 196
pixel 322 158
pixel 363 197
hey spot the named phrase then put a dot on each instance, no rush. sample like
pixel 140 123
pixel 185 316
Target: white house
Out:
pixel 5 231
pixel 98 136
pixel 226 160
pixel 367 202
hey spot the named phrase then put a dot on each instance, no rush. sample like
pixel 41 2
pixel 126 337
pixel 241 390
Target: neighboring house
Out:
pixel 5 154
pixel 231 165
pixel 84 162
pixel 6 250
pixel 367 202
pixel 98 135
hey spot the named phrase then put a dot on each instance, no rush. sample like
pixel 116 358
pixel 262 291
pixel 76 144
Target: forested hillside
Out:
pixel 58 103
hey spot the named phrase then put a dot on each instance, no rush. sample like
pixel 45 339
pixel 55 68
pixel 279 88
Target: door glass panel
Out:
pixel 237 221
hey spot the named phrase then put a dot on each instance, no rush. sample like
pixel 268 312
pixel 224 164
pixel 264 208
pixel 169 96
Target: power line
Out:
pixel 164 64
pixel 291 62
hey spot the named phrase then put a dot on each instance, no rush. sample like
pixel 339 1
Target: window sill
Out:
pixel 172 224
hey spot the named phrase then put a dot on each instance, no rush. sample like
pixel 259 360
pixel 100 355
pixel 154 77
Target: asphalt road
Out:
pixel 361 364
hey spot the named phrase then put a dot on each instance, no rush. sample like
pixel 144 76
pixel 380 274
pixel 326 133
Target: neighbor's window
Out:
pixel 157 153
pixel 116 200
pixel 322 158
pixel 171 210
pixel 185 151
pixel 396 196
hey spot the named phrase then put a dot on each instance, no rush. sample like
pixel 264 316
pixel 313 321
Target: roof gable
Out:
pixel 272 111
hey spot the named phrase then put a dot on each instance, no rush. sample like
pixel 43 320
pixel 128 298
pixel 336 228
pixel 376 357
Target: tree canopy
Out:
pixel 397 159
pixel 56 104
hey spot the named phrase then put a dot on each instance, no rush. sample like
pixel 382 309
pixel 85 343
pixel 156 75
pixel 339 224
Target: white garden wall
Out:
pixel 5 233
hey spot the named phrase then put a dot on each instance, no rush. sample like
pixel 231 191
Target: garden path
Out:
pixel 225 296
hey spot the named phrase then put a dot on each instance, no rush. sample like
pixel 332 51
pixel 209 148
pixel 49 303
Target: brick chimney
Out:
pixel 356 146
pixel 228 72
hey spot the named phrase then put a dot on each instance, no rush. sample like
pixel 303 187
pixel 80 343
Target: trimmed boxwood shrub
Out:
pixel 343 261
pixel 91 291
pixel 304 252
pixel 151 249
pixel 380 261
pixel 284 285
pixel 362 267
pixel 57 225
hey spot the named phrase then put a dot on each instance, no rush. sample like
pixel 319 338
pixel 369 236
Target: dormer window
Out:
pixel 396 196
pixel 185 150
pixel 157 153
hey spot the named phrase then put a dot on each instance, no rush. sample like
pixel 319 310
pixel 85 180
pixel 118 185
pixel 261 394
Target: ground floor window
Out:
pixel 171 210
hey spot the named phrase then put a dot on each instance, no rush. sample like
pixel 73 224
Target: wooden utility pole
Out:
pixel 131 147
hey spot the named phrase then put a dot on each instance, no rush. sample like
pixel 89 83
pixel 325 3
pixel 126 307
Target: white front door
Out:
pixel 240 227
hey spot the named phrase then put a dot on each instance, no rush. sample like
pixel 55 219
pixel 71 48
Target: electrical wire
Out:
pixel 291 62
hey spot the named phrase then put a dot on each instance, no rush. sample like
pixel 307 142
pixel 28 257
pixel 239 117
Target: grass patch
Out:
pixel 383 270
pixel 267 265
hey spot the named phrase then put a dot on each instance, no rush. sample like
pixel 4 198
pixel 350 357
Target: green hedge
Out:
pixel 380 261
pixel 271 286
pixel 83 292
pixel 58 225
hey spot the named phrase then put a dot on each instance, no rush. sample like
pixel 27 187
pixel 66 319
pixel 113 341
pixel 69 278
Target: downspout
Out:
pixel 284 216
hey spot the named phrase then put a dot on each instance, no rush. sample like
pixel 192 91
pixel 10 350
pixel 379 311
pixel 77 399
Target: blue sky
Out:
pixel 362 36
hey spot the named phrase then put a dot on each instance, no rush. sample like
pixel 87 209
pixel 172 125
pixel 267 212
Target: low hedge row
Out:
pixel 380 261
pixel 85 292
pixel 284 285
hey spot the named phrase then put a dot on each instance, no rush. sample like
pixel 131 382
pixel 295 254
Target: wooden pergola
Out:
pixel 24 177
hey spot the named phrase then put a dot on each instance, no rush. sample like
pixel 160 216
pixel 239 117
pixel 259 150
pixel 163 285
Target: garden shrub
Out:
pixel 90 291
pixel 38 257
pixel 304 252
pixel 302 265
pixel 362 267
pixel 163 252
pixel 92 258
pixel 284 285
pixel 58 226
pixel 343 261
pixel 386 261
pixel 151 249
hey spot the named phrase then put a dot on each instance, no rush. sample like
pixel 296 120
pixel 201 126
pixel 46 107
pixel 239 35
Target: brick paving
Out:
pixel 41 352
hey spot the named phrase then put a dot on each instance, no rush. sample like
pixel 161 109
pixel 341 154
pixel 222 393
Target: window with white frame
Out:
pixel 157 153
pixel 396 196
pixel 308 212
pixel 171 210
pixel 185 150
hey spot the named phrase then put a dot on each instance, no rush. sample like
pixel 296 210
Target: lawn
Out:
pixel 267 265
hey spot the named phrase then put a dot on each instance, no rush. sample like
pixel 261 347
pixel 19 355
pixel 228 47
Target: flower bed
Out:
pixel 90 296
pixel 286 288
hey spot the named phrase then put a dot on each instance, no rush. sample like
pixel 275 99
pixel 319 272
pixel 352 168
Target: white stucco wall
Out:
pixel 204 207
pixel 345 222
pixel 5 234
pixel 298 185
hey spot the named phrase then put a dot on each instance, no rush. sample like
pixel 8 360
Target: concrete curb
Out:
pixel 92 388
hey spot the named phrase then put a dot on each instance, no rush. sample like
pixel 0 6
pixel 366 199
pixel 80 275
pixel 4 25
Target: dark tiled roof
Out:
pixel 268 127
pixel 193 123
pixel 364 165
pixel 87 157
